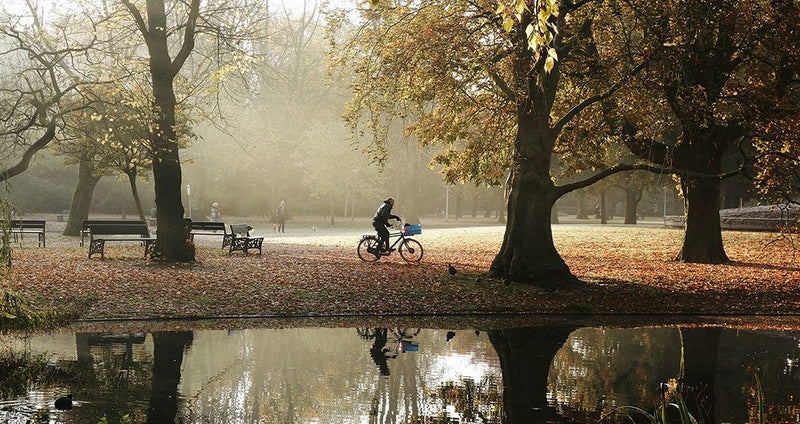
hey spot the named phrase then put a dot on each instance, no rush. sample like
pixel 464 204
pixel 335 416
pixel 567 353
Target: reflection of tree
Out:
pixel 600 369
pixel 168 347
pixel 106 364
pixel 698 370
pixel 475 401
pixel 525 356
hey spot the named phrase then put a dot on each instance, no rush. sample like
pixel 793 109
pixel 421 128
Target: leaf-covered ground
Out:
pixel 628 270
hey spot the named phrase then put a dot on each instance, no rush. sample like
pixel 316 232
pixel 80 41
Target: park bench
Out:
pixel 111 231
pixel 85 231
pixel 20 227
pixel 209 228
pixel 242 240
pixel 61 217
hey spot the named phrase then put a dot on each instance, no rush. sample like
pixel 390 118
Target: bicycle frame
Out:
pixel 400 237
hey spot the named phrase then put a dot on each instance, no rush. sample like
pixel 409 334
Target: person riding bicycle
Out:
pixel 381 220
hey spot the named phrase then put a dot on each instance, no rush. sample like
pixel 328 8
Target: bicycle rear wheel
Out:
pixel 368 249
pixel 411 251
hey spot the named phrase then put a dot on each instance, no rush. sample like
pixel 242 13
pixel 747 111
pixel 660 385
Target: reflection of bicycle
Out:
pixel 369 248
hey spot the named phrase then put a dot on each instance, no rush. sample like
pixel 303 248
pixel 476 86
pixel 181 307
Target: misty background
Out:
pixel 282 138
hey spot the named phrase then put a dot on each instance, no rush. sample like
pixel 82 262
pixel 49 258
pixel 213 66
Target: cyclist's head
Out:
pixel 390 201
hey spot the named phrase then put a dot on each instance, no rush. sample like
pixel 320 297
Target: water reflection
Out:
pixel 553 374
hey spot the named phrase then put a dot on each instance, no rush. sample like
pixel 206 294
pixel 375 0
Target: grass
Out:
pixel 673 408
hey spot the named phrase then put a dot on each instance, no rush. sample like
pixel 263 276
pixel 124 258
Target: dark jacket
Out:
pixel 384 214
pixel 281 213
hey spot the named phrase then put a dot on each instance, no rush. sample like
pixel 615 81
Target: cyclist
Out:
pixel 381 220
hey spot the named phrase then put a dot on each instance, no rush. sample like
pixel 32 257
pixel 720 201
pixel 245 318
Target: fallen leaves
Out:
pixel 628 269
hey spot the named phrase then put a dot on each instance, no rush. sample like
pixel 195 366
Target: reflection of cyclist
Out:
pixel 379 353
pixel 381 220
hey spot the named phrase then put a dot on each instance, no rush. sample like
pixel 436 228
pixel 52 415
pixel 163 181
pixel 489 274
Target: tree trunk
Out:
pixel 603 212
pixel 135 193
pixel 702 239
pixel 82 198
pixel 632 198
pixel 171 244
pixel 526 355
pixel 528 254
pixel 581 202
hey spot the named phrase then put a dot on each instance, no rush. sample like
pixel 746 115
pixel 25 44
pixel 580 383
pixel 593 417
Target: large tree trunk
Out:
pixel 135 193
pixel 525 357
pixel 82 198
pixel 702 239
pixel 171 244
pixel 632 198
pixel 528 254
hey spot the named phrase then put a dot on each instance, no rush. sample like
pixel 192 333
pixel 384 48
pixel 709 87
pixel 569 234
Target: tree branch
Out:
pixel 137 16
pixel 188 38
pixel 559 126
pixel 562 190
pixel 23 163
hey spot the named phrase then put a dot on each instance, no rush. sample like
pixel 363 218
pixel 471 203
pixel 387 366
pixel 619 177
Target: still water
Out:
pixel 537 374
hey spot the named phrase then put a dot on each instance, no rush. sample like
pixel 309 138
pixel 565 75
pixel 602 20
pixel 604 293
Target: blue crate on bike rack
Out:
pixel 412 229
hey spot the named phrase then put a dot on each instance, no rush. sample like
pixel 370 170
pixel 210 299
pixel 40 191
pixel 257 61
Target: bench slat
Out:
pixel 97 244
pixel 29 226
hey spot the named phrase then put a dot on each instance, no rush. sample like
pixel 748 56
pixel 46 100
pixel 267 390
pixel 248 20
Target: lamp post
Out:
pixel 446 202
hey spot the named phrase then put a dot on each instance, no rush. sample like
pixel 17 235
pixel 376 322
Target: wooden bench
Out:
pixel 85 231
pixel 20 227
pixel 97 243
pixel 241 239
pixel 209 228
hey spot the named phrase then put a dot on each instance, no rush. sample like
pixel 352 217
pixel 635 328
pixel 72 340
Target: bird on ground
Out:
pixel 64 403
pixel 451 269
pixel 450 335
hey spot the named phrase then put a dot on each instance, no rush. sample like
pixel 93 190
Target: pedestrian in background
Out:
pixel 280 216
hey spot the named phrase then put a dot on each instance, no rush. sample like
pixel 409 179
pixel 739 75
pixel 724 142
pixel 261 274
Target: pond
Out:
pixel 555 372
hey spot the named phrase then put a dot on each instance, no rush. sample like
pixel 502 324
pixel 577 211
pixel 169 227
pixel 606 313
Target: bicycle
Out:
pixel 410 250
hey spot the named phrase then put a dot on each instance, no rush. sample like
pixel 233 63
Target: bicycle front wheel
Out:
pixel 368 249
pixel 411 251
